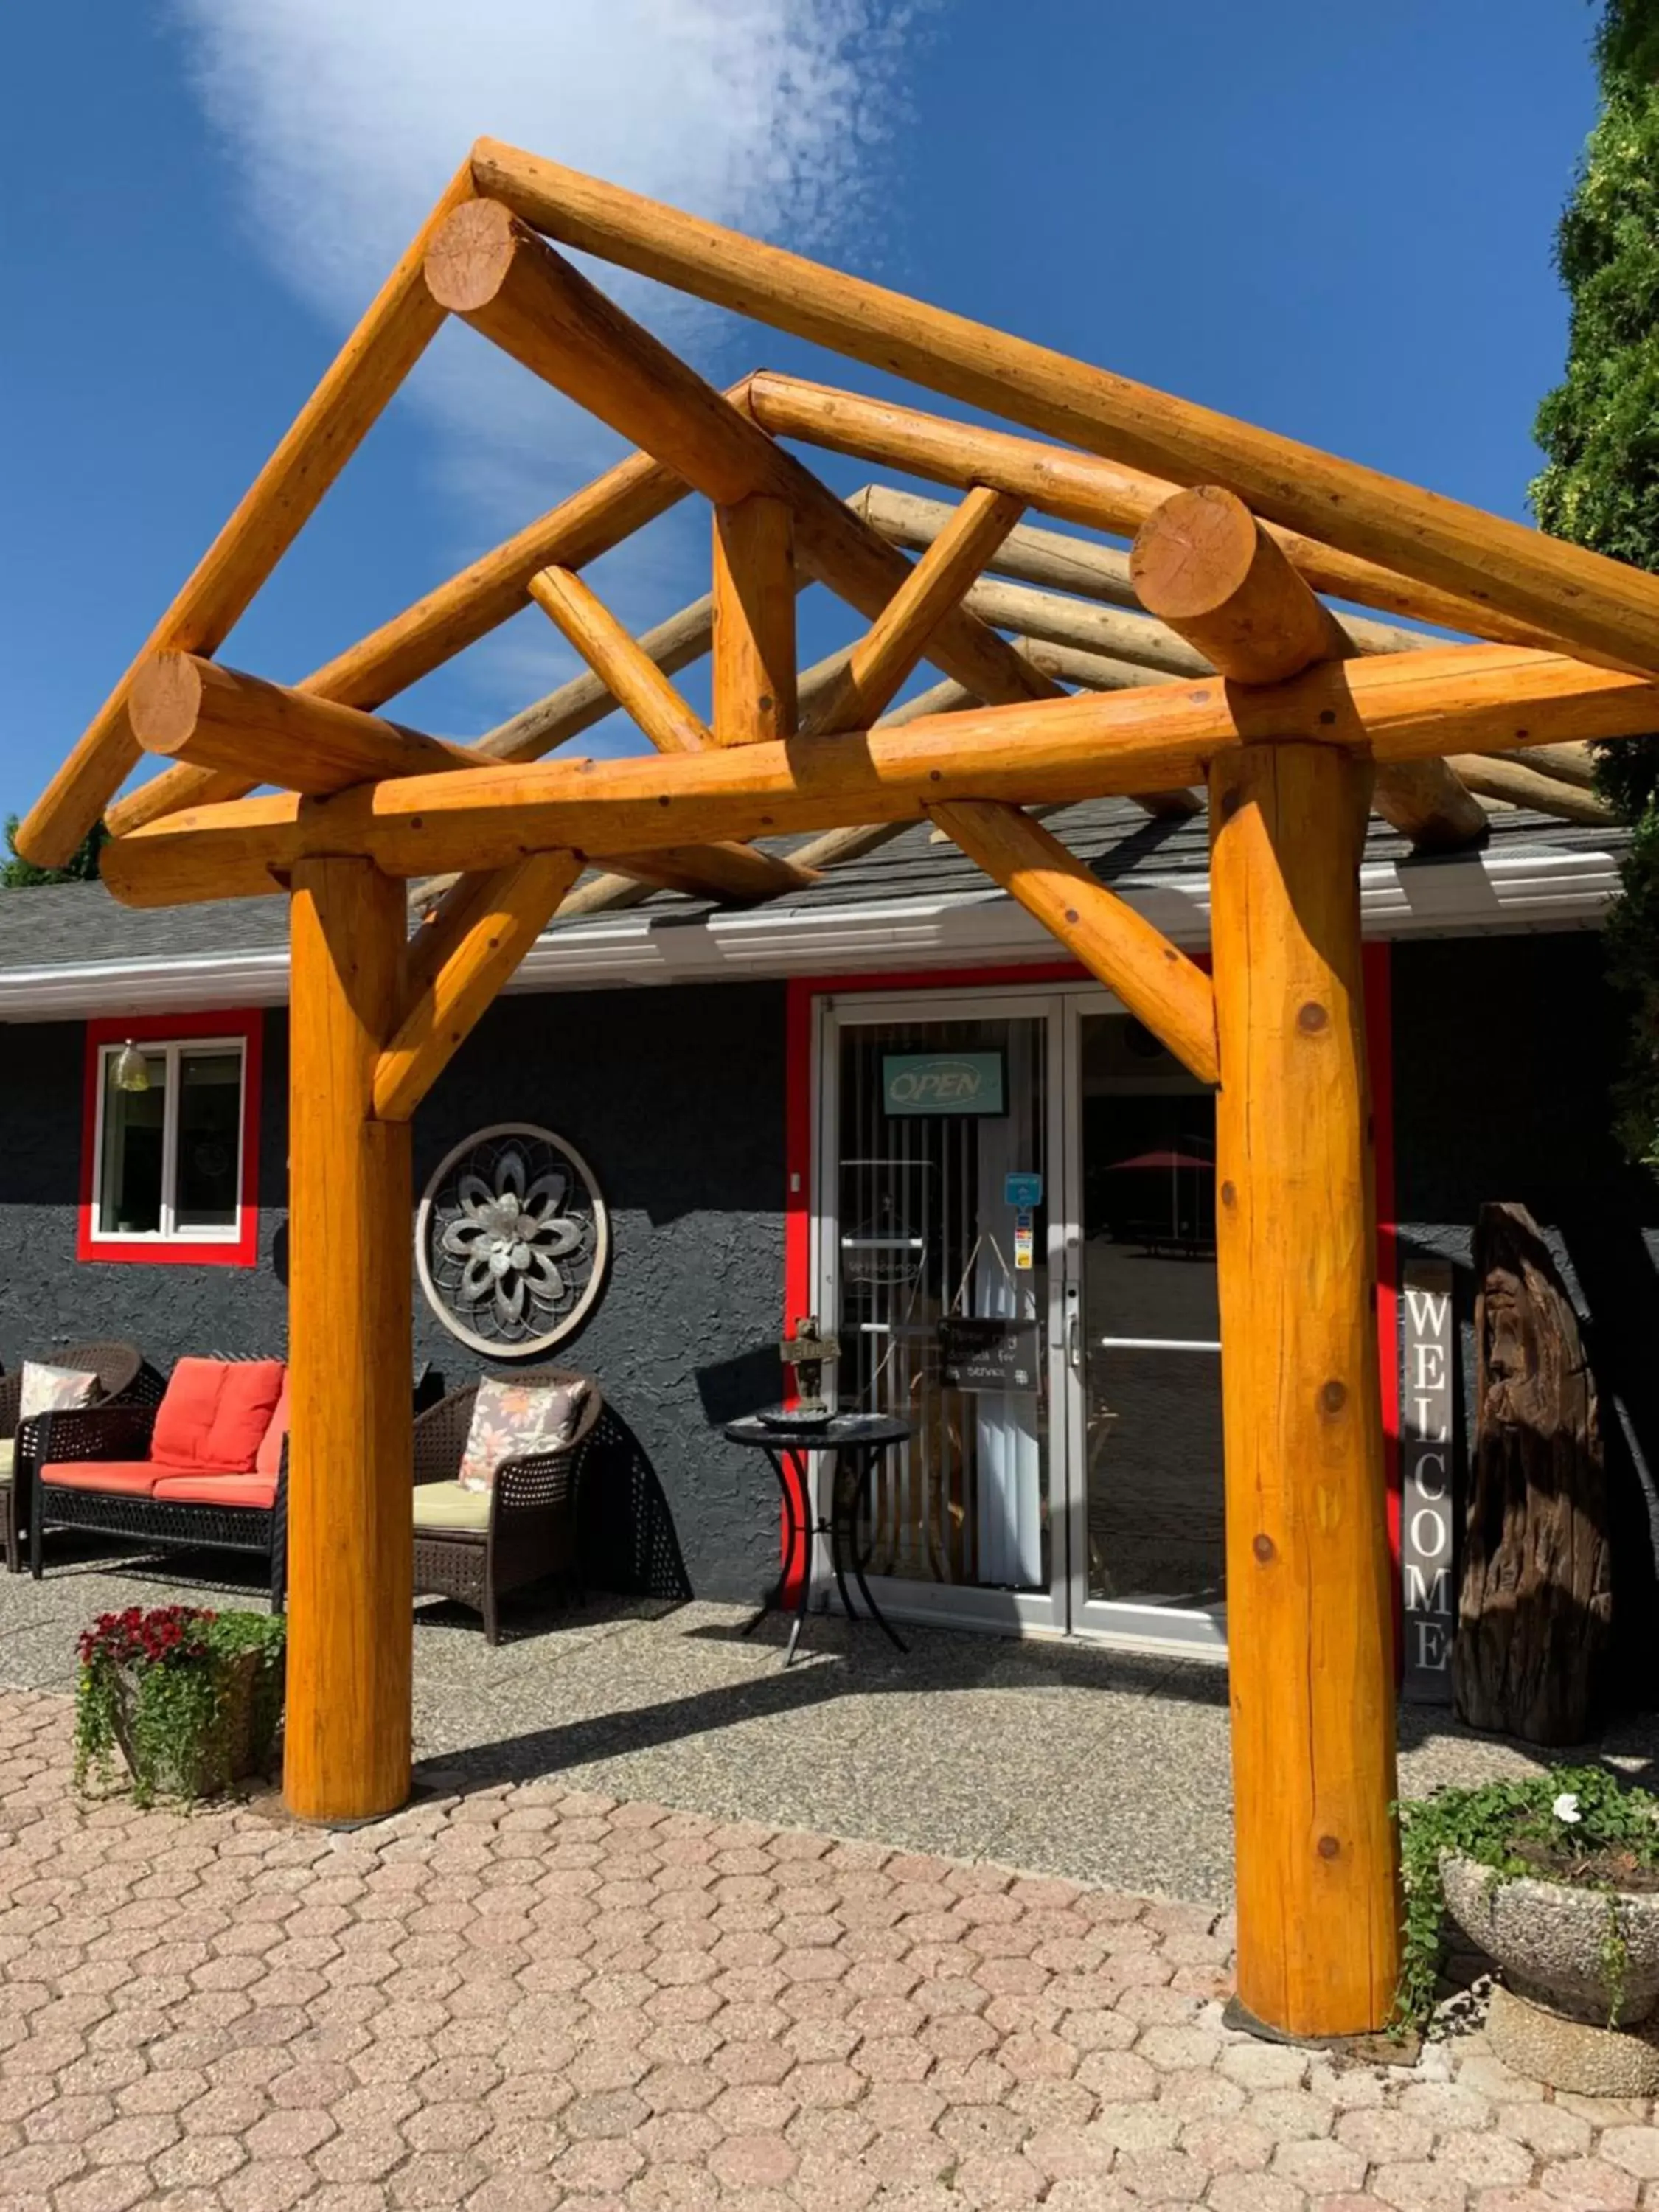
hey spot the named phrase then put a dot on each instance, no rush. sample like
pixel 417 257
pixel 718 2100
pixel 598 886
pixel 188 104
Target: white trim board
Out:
pixel 1475 895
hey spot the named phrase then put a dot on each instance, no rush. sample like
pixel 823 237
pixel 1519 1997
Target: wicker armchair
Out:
pixel 123 1379
pixel 529 1526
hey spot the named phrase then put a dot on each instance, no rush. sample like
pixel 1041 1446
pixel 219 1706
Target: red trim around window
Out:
pixel 798 1163
pixel 246 1026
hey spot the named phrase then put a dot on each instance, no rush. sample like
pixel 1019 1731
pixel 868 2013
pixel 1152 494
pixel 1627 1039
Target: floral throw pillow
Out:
pixel 516 1420
pixel 53 1389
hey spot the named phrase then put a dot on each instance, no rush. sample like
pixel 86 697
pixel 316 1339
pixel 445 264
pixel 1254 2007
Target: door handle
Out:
pixel 1074 1345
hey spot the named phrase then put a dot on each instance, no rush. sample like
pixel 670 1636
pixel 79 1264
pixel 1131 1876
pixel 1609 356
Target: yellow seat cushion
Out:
pixel 8 1451
pixel 446 1505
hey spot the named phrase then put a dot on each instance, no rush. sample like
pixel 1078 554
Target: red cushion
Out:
pixel 216 1490
pixel 215 1413
pixel 124 1478
pixel 269 1458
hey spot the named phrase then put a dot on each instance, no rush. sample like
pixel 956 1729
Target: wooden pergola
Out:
pixel 1244 685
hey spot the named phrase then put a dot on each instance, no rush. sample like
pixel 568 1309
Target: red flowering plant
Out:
pixel 189 1697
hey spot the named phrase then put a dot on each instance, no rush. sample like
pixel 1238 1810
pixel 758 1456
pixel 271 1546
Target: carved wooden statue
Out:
pixel 1537 1595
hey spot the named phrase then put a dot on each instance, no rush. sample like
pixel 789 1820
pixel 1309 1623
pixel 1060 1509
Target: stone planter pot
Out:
pixel 230 1755
pixel 1571 2001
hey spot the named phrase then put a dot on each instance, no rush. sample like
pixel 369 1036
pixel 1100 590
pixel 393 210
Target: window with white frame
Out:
pixel 168 1164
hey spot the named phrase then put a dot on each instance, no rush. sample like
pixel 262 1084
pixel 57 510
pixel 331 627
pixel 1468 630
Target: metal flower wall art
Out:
pixel 512 1239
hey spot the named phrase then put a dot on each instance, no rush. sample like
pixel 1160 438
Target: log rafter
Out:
pixel 1156 981
pixel 1594 605
pixel 496 274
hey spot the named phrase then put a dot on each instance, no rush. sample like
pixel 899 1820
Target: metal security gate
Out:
pixel 932 1113
pixel 1050 1482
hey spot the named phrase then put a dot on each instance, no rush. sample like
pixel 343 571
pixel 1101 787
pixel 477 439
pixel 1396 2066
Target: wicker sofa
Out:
pixel 123 1379
pixel 475 1545
pixel 105 1469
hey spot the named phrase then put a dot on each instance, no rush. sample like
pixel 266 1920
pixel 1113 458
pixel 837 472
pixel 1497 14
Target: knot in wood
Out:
pixel 1263 1548
pixel 1328 1847
pixel 1311 1018
pixel 1071 913
pixel 1333 1397
pixel 1229 1196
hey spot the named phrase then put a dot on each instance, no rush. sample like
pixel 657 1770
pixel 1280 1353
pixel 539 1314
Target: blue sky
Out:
pixel 1334 221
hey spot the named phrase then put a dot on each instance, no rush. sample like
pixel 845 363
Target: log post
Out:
pixel 1309 1603
pixel 754 634
pixel 350 1536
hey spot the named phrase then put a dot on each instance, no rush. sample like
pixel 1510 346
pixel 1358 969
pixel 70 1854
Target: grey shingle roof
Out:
pixel 75 925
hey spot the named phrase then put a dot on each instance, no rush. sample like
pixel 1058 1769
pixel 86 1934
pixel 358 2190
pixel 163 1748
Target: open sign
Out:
pixel 942 1083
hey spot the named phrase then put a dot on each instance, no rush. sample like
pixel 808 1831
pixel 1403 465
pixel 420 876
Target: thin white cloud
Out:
pixel 342 119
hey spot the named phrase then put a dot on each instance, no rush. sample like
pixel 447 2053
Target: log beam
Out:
pixel 1519 784
pixel 503 922
pixel 1079 487
pixel 443 622
pixel 240 727
pixel 1203 563
pixel 350 1541
pixel 561 714
pixel 634 679
pixel 1574 764
pixel 754 630
pixel 1061 562
pixel 373 361
pixel 903 631
pixel 1053 618
pixel 487 268
pixel 1310 1616
pixel 1156 981
pixel 218 717
pixel 1403 706
pixel 731 872
pixel 1594 605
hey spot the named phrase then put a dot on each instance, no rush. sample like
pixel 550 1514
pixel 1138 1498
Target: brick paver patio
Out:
pixel 527 1998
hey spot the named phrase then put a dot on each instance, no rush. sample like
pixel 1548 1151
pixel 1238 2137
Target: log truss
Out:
pixel 1198 656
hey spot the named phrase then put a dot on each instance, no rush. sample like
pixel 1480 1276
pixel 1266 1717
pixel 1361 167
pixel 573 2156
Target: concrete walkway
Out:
pixel 1103 1766
pixel 528 1997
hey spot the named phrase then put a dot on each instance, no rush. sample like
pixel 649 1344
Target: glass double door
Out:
pixel 1016 1248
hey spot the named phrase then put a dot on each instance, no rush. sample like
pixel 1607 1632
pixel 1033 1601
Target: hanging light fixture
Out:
pixel 132 1069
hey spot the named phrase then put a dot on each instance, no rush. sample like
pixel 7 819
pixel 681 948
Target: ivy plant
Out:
pixel 189 1697
pixel 1577 1825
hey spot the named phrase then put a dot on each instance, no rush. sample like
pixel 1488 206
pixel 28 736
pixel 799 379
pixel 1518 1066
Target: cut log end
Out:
pixel 467 262
pixel 1203 563
pixel 164 702
pixel 1194 553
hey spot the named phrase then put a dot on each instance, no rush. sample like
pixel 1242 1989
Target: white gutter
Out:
pixel 1476 895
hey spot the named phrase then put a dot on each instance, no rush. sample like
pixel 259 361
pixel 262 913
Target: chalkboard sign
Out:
pixel 977 1353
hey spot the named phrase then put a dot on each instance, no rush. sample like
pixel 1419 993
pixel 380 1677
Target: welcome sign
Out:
pixel 1426 1499
pixel 942 1083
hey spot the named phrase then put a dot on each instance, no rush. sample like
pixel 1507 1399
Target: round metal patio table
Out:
pixel 857 1442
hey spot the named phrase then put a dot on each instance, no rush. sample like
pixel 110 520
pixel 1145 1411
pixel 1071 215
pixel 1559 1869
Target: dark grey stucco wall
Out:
pixel 675 1097
pixel 1504 1052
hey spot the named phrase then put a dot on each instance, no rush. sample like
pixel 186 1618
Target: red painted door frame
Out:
pixel 800 1009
